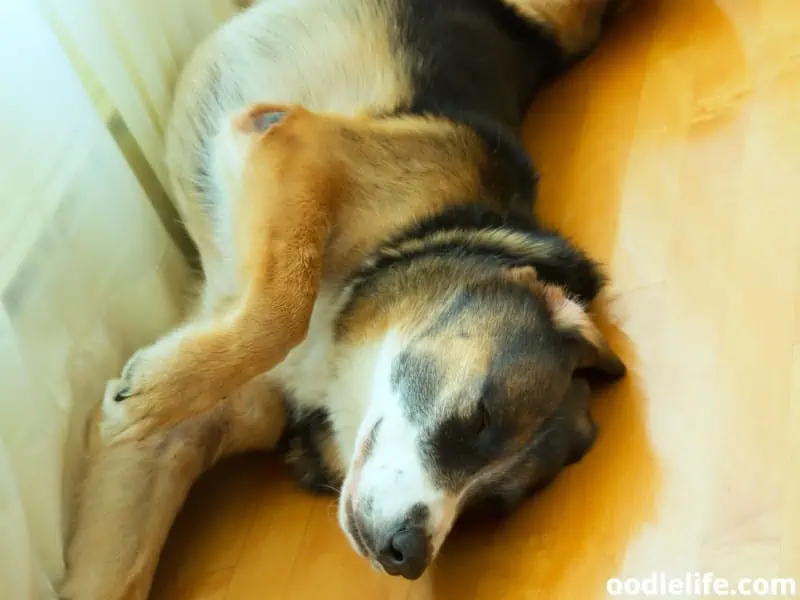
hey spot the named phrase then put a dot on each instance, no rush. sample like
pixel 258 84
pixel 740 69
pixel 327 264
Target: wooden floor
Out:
pixel 673 154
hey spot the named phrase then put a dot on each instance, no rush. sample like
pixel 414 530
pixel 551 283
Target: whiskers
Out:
pixel 332 509
pixel 330 488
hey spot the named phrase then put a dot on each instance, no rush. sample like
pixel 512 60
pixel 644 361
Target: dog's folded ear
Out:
pixel 592 351
pixel 570 318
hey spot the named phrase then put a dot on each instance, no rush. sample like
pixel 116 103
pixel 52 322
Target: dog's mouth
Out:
pixel 354 532
pixel 347 514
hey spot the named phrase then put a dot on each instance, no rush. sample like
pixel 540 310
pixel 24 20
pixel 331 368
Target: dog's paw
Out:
pixel 133 404
pixel 127 385
pixel 113 418
pixel 137 416
pixel 122 396
pixel 145 387
pixel 143 371
pixel 156 391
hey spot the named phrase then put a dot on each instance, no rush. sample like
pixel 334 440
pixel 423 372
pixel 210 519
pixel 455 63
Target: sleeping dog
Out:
pixel 378 302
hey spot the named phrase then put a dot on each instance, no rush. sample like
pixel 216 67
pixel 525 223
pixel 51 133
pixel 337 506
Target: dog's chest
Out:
pixel 309 369
pixel 322 373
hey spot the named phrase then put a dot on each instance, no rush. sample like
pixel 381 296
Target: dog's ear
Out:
pixel 570 431
pixel 574 323
pixel 570 318
pixel 566 436
pixel 582 428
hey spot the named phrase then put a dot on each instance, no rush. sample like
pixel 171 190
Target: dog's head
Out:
pixel 473 397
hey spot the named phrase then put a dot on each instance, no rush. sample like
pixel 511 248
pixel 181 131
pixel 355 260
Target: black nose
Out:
pixel 406 552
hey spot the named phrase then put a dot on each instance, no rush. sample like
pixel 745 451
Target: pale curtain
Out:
pixel 91 260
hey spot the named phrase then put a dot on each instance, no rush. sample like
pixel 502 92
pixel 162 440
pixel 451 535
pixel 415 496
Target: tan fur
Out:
pixel 568 315
pixel 269 53
pixel 525 276
pixel 403 169
pixel 575 23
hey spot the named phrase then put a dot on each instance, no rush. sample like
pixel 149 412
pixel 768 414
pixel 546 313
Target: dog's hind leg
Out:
pixel 133 491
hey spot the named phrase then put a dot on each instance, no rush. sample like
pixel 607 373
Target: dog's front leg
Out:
pixel 284 199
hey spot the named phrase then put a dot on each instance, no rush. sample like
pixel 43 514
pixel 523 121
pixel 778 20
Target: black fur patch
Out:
pixel 479 63
pixel 474 57
pixel 458 450
pixel 563 440
pixel 562 264
pixel 301 446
